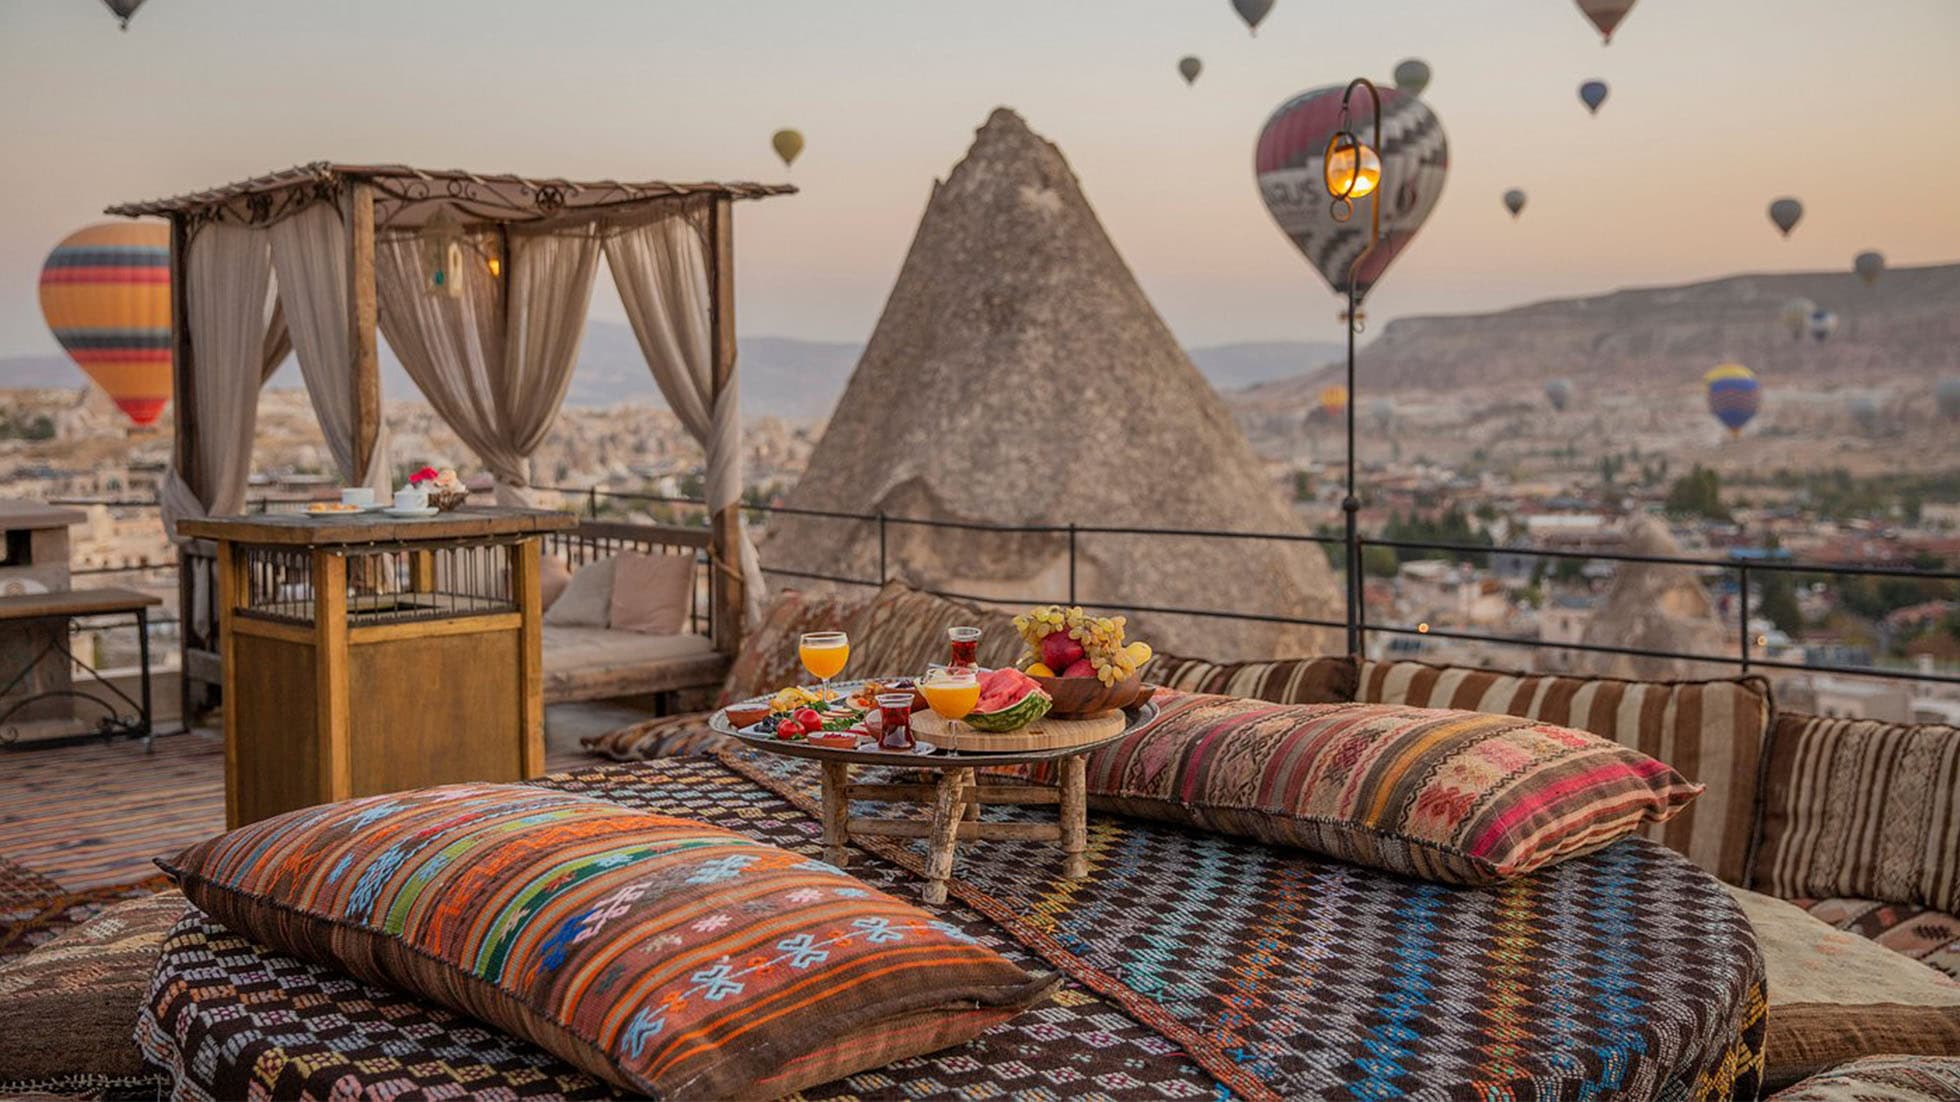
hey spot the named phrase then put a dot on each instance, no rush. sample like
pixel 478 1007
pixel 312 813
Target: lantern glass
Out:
pixel 1353 171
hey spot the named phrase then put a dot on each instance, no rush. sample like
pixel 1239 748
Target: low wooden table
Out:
pixel 955 798
pixel 52 611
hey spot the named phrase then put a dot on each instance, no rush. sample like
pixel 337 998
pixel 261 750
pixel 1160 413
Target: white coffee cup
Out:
pixel 357 495
pixel 409 498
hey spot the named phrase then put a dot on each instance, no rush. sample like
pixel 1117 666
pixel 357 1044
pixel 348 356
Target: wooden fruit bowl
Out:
pixel 1076 697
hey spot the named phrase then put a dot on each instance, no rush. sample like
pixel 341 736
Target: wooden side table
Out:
pixel 954 799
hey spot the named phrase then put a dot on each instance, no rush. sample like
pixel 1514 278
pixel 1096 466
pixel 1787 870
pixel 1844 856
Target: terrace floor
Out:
pixel 93 815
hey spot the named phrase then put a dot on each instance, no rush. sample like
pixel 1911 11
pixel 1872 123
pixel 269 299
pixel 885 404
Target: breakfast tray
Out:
pixel 1046 733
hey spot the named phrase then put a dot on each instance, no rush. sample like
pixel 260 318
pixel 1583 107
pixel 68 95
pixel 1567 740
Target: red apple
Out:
pixel 1059 652
pixel 1080 668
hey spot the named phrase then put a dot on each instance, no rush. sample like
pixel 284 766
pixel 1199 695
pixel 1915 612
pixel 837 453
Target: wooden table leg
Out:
pixel 1075 816
pixel 946 811
pixel 836 812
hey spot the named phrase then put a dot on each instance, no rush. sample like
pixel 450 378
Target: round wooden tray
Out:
pixel 1047 733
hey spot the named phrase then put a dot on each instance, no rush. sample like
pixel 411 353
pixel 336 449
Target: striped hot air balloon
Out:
pixel 1734 395
pixel 105 292
pixel 1333 400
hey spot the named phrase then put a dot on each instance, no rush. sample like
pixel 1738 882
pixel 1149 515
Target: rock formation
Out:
pixel 1658 607
pixel 1018 376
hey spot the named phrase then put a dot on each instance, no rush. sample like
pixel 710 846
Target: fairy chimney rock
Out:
pixel 1655 606
pixel 1018 376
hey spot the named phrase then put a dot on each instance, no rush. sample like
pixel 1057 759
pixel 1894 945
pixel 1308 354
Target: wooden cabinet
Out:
pixel 364 656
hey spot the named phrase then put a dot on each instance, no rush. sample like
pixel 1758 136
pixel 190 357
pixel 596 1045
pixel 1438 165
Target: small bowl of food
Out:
pixel 747 715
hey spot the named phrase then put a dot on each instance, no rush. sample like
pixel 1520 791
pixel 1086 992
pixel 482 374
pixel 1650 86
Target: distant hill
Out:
pixel 1232 366
pixel 1905 328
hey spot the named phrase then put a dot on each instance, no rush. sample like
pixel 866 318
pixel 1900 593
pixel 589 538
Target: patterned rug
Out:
pixel 34 909
pixel 1204 966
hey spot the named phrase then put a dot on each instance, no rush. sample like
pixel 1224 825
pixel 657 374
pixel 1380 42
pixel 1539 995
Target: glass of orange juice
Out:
pixel 951 691
pixel 824 654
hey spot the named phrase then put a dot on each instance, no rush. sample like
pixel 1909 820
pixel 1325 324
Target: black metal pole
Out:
pixel 1742 610
pixel 1071 562
pixel 1350 505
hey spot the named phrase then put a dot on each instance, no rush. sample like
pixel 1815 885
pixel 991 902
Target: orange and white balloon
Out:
pixel 105 292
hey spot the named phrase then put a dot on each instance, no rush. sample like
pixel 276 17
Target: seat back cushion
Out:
pixel 1881 1079
pixel 68 1008
pixel 1834 996
pixel 1458 797
pixel 767 660
pixel 651 593
pixel 903 629
pixel 1711 731
pixel 1328 679
pixel 586 601
pixel 660 954
pixel 1863 809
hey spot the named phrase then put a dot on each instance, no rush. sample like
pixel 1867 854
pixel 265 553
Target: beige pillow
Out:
pixel 553 577
pixel 650 593
pixel 1835 996
pixel 587 600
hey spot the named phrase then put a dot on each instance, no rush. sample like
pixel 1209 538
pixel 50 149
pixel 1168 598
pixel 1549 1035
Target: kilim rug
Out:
pixel 34 909
pixel 1203 966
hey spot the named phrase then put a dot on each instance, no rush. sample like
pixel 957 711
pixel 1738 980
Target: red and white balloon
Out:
pixel 1288 162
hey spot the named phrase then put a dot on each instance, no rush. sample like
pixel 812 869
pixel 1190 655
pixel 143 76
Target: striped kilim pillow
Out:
pixel 663 955
pixel 1325 680
pixel 1864 809
pixel 1712 731
pixel 903 629
pixel 1460 797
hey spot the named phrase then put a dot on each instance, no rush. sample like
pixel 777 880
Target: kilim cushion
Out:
pixel 903 629
pixel 657 953
pixel 1834 996
pixel 767 660
pixel 1325 680
pixel 1881 1079
pixel 1859 808
pixel 67 1008
pixel 1460 797
pixel 1930 937
pixel 1711 731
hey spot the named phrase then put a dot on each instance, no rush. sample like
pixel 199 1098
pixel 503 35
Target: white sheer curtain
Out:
pixel 228 285
pixel 309 256
pixel 494 361
pixel 661 269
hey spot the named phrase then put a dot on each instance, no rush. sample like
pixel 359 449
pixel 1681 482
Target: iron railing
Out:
pixel 1352 551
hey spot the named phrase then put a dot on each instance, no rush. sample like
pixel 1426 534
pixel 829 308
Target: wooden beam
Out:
pixel 363 316
pixel 183 457
pixel 730 588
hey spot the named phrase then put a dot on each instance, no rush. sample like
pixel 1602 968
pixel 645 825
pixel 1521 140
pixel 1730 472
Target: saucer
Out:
pixel 425 511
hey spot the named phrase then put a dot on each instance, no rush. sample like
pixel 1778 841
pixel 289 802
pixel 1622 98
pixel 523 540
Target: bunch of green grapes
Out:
pixel 1102 639
pixel 1042 621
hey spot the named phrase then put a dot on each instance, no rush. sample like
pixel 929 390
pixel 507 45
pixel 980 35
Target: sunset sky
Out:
pixel 1716 108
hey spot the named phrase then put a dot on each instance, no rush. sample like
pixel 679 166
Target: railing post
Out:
pixel 1071 562
pixel 883 575
pixel 592 501
pixel 1361 608
pixel 1742 612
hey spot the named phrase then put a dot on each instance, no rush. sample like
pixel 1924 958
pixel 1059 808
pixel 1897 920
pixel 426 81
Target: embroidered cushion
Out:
pixel 1460 797
pixel 1881 1079
pixel 903 629
pixel 663 955
pixel 1860 808
pixel 1930 937
pixel 1325 680
pixel 1711 731
pixel 767 660
pixel 67 1007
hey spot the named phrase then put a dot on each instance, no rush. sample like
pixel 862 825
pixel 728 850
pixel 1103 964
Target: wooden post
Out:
pixel 229 584
pixel 725 555
pixel 527 586
pixel 1075 816
pixel 945 831
pixel 363 316
pixel 836 812
pixel 335 756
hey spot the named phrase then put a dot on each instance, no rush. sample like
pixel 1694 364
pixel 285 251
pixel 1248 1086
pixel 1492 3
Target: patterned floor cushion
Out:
pixel 903 629
pixel 1455 797
pixel 1712 731
pixel 1881 1079
pixel 658 953
pixel 1324 680
pixel 1835 997
pixel 1927 936
pixel 1860 809
pixel 67 1009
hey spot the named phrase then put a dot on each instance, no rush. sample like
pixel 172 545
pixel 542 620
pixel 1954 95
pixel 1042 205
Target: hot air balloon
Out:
pixel 1605 14
pixel 1333 400
pixel 1514 201
pixel 1559 393
pixel 1288 162
pixel 1946 393
pixel 1864 410
pixel 1785 212
pixel 1252 11
pixel 1382 412
pixel 1869 265
pixel 105 292
pixel 123 9
pixel 1734 395
pixel 1592 93
pixel 788 144
pixel 1821 324
pixel 1190 67
pixel 1412 75
pixel 1796 317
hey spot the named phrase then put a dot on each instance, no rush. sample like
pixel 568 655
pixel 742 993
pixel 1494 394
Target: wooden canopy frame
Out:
pixel 377 198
